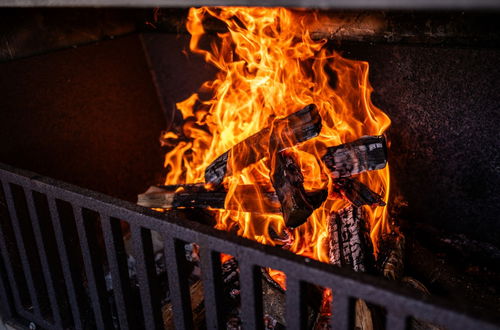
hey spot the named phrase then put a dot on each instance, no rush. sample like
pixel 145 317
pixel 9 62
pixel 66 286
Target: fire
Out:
pixel 269 67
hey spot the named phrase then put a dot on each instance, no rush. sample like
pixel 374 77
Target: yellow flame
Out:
pixel 269 67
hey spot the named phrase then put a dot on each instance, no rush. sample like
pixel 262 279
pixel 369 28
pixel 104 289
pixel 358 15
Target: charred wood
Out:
pixel 181 196
pixel 273 299
pixel 366 154
pixel 198 197
pixel 390 261
pixel 197 306
pixel 287 180
pixel 350 244
pixel 287 132
pixel 357 193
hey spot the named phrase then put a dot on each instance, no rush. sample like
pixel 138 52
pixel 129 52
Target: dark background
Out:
pixel 89 116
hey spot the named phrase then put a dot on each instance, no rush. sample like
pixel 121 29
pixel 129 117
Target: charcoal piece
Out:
pixel 350 244
pixel 357 193
pixel 287 132
pixel 287 180
pixel 366 154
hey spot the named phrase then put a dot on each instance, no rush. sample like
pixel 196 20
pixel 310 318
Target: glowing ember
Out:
pixel 269 67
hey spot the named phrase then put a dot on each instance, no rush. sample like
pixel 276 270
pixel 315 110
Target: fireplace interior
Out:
pixel 86 93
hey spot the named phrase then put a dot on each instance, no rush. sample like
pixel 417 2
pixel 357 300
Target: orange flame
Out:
pixel 269 67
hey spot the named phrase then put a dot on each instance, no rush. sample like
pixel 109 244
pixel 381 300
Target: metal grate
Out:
pixel 51 267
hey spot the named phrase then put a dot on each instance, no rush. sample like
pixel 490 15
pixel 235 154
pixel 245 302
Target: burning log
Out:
pixel 197 196
pixel 288 180
pixel 350 243
pixel 350 246
pixel 357 193
pixel 296 128
pixel 366 154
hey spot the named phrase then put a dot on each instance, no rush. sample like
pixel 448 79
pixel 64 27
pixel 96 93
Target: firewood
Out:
pixel 357 193
pixel 274 300
pixel 287 180
pixel 197 306
pixel 390 259
pixel 363 316
pixel 287 132
pixel 350 244
pixel 197 196
pixel 366 154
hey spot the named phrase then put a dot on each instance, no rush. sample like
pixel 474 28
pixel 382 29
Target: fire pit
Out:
pixel 277 174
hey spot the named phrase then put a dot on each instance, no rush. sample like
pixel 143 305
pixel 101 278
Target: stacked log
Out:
pixel 282 134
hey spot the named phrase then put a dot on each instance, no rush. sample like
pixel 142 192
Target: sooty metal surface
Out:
pixel 66 264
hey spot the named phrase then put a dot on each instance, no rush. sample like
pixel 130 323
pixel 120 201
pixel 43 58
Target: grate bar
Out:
pixel 22 249
pixel 47 273
pixel 38 321
pixel 10 272
pixel 119 271
pixel 212 286
pixel 295 314
pixel 93 272
pixel 63 255
pixel 141 241
pixel 396 321
pixel 178 284
pixel 4 298
pixel 247 252
pixel 341 311
pixel 251 296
